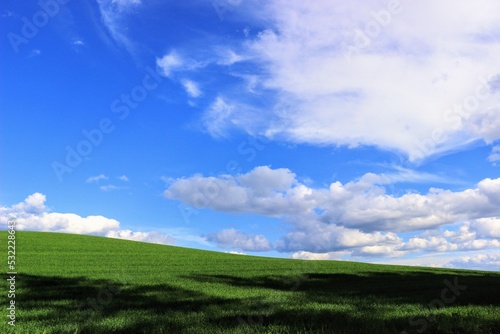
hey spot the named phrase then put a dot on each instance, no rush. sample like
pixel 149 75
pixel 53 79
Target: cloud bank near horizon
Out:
pixel 358 217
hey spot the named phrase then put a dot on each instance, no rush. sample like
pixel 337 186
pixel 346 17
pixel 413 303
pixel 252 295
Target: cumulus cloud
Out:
pixel 358 216
pixel 33 204
pixel 379 251
pixel 317 237
pixel 479 262
pixel 417 81
pixel 231 238
pixel 244 193
pixel 361 204
pixel 486 227
pixel 33 215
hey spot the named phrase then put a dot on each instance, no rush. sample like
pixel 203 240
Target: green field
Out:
pixel 83 284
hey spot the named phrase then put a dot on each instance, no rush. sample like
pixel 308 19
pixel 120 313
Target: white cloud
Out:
pixel 487 227
pixel 152 237
pixel 35 52
pixel 229 57
pixel 495 154
pixel 33 215
pixel 33 204
pixel 123 178
pixel 126 3
pixel 244 193
pixel 191 88
pixel 113 16
pixel 236 253
pixel 319 256
pixel 110 187
pixel 96 178
pixel 218 117
pixel 358 215
pixel 317 237
pixel 422 83
pixel 186 235
pixel 433 244
pixel 169 63
pixel 380 251
pixel 402 174
pixel 361 204
pixel 479 262
pixel 230 238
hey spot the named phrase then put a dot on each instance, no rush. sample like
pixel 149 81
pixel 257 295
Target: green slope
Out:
pixel 83 284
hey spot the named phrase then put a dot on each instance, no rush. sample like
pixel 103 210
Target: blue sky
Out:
pixel 361 130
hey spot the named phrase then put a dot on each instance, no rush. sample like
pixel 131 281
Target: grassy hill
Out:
pixel 84 284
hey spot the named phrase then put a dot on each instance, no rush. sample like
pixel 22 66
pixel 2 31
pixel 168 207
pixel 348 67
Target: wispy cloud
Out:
pixel 96 178
pixel 124 4
pixel 35 53
pixel 110 187
pixel 123 178
pixel 113 14
pixel 169 63
pixel 78 42
pixel 191 88
pixel 335 82
pixel 229 57
pixel 223 115
pixel 495 155
pixel 231 238
pixel 152 237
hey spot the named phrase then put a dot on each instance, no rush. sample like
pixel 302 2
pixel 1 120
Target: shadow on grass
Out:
pixel 310 303
pixel 85 305
pixel 369 302
pixel 412 287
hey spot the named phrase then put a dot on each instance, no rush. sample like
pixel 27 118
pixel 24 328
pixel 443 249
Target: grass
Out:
pixel 83 284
